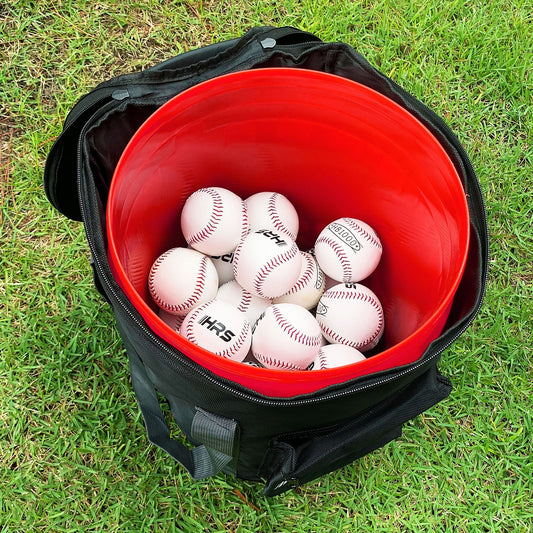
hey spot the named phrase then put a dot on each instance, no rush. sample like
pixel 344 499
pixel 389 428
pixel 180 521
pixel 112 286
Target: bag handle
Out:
pixel 218 435
pixel 301 457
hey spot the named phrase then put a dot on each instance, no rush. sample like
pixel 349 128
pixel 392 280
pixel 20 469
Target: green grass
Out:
pixel 73 452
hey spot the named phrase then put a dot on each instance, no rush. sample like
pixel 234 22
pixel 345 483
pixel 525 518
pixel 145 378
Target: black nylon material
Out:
pixel 284 441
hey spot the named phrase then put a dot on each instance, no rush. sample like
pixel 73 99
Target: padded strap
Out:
pixel 217 435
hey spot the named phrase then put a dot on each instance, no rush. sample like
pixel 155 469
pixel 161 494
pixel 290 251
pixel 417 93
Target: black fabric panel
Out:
pixel 299 458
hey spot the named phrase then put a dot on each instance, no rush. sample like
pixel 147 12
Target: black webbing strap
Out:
pixel 217 434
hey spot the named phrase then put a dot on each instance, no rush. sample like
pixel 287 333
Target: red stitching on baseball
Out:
pixel 195 296
pixel 274 215
pixel 212 223
pixel 236 256
pixel 354 295
pixel 245 333
pixel 342 340
pixel 293 332
pixel 245 225
pixel 322 359
pixel 246 299
pixel 271 361
pixel 350 295
pixel 305 277
pixel 189 332
pixel 267 268
pixel 341 255
pixel 362 231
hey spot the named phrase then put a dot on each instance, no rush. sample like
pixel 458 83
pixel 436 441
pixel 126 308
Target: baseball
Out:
pixel 224 265
pixel 214 220
pixel 252 306
pixel 272 210
pixel 334 355
pixel 308 287
pixel 220 328
pixel 267 263
pixel 181 278
pixel 286 337
pixel 348 250
pixel 174 321
pixel 351 314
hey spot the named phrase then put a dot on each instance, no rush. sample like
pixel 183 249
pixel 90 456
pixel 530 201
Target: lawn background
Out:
pixel 73 451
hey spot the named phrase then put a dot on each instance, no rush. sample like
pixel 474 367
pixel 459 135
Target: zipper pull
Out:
pixel 120 94
pixel 269 42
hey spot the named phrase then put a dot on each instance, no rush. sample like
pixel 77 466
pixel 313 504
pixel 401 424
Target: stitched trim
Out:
pixel 216 214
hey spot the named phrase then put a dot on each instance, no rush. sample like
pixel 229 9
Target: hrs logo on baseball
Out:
pixel 212 324
pixel 273 236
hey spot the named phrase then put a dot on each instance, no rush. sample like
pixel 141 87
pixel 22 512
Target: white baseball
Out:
pixel 286 337
pixel 267 263
pixel 252 306
pixel 174 321
pixel 224 265
pixel 220 328
pixel 309 286
pixel 272 210
pixel 348 250
pixel 181 278
pixel 214 220
pixel 335 355
pixel 351 314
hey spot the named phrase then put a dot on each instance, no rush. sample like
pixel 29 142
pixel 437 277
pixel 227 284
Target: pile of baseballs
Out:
pixel 243 289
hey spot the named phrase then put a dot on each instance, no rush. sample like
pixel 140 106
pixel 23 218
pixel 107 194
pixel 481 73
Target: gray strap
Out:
pixel 218 436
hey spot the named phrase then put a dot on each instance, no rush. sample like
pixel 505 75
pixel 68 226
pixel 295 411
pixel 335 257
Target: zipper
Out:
pixel 169 354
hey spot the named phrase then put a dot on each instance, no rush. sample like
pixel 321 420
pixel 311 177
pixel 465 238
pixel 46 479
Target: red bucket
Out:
pixel 336 149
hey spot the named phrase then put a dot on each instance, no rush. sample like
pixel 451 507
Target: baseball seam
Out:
pixel 227 353
pixel 292 331
pixel 305 278
pixel 189 331
pixel 195 296
pixel 341 256
pixel 216 215
pixel 272 361
pixel 336 337
pixel 322 361
pixel 274 215
pixel 267 268
pixel 244 302
pixel 234 348
pixel 245 223
pixel 363 232
pixel 344 295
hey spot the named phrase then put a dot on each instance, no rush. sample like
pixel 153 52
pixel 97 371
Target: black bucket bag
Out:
pixel 282 442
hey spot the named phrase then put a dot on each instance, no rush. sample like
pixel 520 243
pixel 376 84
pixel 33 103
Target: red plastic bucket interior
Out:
pixel 336 149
